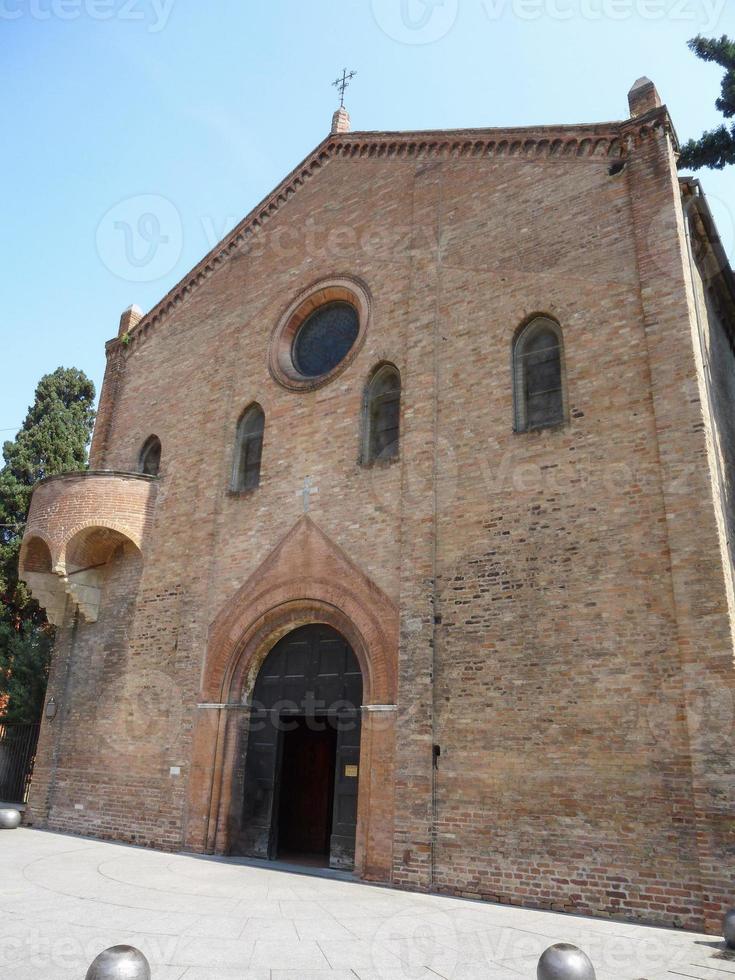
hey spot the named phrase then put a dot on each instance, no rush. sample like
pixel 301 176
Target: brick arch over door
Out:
pixel 306 574
pixel 306 579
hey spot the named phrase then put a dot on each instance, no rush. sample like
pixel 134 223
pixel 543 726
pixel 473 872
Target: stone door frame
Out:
pixel 281 596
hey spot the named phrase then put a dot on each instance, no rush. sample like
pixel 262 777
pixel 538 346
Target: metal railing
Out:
pixel 17 754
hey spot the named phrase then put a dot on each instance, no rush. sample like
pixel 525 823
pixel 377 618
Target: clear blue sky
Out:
pixel 209 104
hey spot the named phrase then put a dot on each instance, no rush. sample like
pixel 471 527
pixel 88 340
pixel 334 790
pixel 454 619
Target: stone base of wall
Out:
pixel 67 827
pixel 655 911
pixel 140 812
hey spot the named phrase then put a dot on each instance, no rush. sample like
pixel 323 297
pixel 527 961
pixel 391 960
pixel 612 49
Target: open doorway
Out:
pixel 303 752
pixel 306 802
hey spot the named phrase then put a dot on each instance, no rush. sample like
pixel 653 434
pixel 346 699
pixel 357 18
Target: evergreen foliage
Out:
pixel 53 439
pixel 715 148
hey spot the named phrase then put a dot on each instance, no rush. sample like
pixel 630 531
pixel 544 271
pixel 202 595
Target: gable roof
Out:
pixel 609 139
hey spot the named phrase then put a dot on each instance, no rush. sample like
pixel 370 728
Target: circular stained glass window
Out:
pixel 325 338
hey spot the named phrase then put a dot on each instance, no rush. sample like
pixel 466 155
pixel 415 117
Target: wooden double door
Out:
pixel 303 752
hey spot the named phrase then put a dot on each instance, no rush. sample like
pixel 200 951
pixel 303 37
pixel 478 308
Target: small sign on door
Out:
pixel 351 772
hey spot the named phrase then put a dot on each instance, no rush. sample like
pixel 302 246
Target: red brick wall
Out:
pixel 558 591
pixel 103 762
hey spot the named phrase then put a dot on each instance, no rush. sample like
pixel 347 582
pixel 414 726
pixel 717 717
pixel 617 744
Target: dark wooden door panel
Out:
pixel 311 673
pixel 312 660
pixel 344 821
pixel 256 838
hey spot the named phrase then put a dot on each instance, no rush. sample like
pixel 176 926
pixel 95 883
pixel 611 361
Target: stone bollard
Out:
pixel 728 929
pixel 9 819
pixel 565 962
pixel 120 963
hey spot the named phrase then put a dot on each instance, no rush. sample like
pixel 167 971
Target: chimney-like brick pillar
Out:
pixel 130 318
pixel 341 121
pixel 108 396
pixel 643 97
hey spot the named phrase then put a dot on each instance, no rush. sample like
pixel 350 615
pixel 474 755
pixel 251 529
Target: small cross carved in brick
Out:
pixel 306 493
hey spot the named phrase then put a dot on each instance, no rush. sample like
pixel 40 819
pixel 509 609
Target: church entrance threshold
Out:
pixel 306 792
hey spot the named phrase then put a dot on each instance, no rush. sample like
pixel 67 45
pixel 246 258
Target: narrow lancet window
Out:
pixel 538 376
pixel 248 449
pixel 149 460
pixel 383 415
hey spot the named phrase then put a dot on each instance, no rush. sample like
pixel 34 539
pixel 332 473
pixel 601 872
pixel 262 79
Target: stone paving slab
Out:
pixel 64 899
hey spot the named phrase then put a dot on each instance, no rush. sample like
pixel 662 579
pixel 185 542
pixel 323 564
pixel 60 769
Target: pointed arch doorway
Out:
pixel 306 579
pixel 301 767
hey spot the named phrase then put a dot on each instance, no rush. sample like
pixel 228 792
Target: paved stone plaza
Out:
pixel 64 899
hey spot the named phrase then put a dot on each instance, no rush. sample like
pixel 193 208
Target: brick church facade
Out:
pixel 406 537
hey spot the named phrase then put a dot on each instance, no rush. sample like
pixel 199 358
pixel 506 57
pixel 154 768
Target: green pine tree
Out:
pixel 53 439
pixel 716 148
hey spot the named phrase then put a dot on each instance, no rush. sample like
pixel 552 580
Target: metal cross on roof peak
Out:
pixel 342 84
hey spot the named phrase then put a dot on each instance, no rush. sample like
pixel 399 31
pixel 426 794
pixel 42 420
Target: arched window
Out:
pixel 382 415
pixel 149 460
pixel 248 449
pixel 537 368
